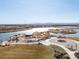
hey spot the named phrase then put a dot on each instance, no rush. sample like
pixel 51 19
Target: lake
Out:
pixel 5 36
pixel 72 35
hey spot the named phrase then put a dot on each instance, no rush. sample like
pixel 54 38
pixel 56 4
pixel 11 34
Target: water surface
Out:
pixel 6 36
pixel 72 35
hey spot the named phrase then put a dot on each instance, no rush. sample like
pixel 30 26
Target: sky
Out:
pixel 39 11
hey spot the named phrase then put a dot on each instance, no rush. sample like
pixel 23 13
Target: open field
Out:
pixel 32 51
pixel 26 52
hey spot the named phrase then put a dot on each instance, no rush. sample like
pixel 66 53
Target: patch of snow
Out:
pixel 37 30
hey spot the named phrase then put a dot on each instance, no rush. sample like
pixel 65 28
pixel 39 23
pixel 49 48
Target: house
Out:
pixel 5 43
pixel 41 35
pixel 13 38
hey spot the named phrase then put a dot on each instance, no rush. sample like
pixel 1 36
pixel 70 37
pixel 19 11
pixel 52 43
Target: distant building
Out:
pixel 41 35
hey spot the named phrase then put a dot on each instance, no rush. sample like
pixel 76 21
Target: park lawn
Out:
pixel 26 52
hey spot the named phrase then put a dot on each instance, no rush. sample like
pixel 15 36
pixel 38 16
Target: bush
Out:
pixel 76 54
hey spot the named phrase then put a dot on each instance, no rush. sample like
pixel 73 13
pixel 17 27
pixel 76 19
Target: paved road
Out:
pixel 48 43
